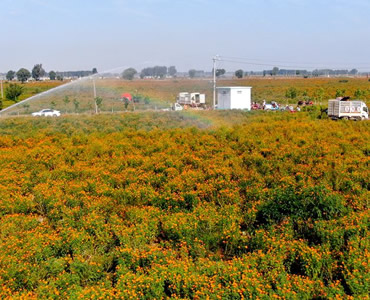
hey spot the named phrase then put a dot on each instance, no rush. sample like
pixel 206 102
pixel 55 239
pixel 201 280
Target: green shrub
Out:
pixel 315 203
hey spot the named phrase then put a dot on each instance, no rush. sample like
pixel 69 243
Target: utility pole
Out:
pixel 2 91
pixel 96 106
pixel 215 58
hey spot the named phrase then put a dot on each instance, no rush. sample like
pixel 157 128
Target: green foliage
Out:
pixel 340 93
pixel 66 100
pixel 99 102
pixel 13 91
pixel 76 104
pixel 192 73
pixel 359 93
pixel 313 203
pixel 23 75
pixel 38 72
pixel 291 93
pixel 52 75
pixel 10 75
pixel 220 72
pixel 239 73
pixel 172 71
pixel 129 74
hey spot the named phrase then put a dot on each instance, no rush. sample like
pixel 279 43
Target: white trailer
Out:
pixel 191 99
pixel 236 97
pixel 353 110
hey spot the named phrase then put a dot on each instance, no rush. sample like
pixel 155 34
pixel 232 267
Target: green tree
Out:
pixel 172 71
pixel 239 73
pixel 1 104
pixel 38 72
pixel 192 73
pixel 52 75
pixel 275 71
pixel 23 75
pixel 10 75
pixel 220 72
pixel 13 91
pixel 129 74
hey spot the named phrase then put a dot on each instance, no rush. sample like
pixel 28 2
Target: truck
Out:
pixel 349 110
pixel 191 99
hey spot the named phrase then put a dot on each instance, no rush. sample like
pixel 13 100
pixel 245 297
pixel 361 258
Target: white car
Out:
pixel 47 113
pixel 177 107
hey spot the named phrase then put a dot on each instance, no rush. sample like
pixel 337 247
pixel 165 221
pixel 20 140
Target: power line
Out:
pixel 290 62
pixel 272 64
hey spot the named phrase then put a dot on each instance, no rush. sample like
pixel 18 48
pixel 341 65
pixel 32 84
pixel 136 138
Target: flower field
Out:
pixel 78 96
pixel 192 205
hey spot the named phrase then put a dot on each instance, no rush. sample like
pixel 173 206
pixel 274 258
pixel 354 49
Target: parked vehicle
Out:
pixel 353 110
pixel 47 113
pixel 191 99
pixel 176 107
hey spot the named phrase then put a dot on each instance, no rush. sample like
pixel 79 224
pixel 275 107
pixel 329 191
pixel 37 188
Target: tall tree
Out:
pixel 10 75
pixel 192 73
pixel 239 73
pixel 160 71
pixel 38 72
pixel 23 75
pixel 275 71
pixel 172 71
pixel 52 75
pixel 129 74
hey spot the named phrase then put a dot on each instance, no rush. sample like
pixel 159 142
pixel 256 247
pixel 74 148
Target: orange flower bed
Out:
pixel 192 205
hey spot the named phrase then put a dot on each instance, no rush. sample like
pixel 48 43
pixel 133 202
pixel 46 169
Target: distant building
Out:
pixel 235 97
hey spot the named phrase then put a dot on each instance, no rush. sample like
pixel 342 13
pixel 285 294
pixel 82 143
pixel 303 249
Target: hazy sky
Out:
pixel 82 34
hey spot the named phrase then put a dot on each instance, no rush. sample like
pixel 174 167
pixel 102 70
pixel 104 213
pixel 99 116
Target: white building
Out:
pixel 234 97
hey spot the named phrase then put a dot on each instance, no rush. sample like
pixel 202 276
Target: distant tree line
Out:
pixel 150 72
pixel 38 72
pixel 160 72
pixel 315 73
